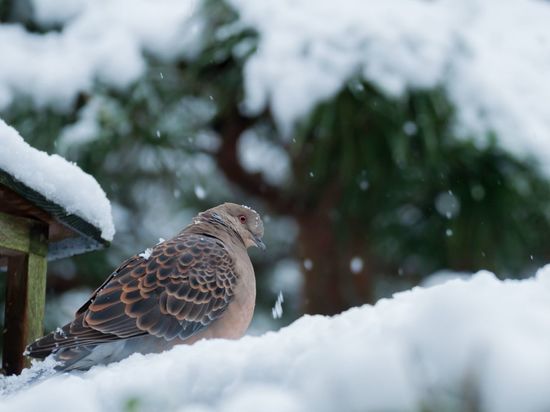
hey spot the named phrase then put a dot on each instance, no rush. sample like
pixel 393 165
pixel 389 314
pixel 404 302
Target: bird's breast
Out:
pixel 237 317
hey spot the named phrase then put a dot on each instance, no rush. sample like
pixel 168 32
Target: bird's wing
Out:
pixel 124 268
pixel 183 286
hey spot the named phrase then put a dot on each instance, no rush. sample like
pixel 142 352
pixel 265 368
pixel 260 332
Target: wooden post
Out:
pixel 24 241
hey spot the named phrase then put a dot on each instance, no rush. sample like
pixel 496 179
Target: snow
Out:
pixel 52 12
pixel 257 154
pixel 363 181
pixel 200 192
pixel 277 309
pixel 286 276
pixel 60 332
pixel 101 41
pixel 146 254
pixel 86 129
pixel 423 345
pixel 356 264
pixel 410 128
pixel 55 178
pixel 491 56
pixel 442 276
pixel 447 204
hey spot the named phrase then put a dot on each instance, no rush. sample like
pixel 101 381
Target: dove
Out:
pixel 198 285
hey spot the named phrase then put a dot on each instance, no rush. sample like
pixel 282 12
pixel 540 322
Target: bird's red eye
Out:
pixel 242 218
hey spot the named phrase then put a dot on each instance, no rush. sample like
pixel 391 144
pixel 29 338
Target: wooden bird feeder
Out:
pixel 33 230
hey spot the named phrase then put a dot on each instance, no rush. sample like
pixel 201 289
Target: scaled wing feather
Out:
pixel 184 285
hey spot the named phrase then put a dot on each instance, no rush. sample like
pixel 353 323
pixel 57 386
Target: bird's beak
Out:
pixel 259 242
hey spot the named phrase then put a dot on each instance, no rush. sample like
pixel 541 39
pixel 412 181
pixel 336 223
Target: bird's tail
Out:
pixel 48 344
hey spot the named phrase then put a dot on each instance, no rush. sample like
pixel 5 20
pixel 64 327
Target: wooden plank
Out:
pixel 75 223
pixel 25 300
pixel 38 239
pixel 14 318
pixel 15 232
pixel 36 297
pixel 36 281
pixel 12 203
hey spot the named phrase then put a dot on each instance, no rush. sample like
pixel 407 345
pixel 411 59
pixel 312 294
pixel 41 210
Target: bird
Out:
pixel 198 285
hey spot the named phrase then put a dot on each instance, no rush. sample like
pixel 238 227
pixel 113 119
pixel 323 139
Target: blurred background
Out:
pixel 368 185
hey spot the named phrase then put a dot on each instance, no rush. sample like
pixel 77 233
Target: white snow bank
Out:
pixel 56 179
pixel 103 40
pixel 492 57
pixel 420 345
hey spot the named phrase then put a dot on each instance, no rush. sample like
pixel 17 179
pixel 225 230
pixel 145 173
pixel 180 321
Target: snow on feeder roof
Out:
pixel 48 188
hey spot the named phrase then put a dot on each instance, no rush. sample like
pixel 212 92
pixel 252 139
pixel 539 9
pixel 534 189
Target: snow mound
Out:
pixel 423 345
pixel 56 179
pixel 491 56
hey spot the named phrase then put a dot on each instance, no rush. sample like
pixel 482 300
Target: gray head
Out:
pixel 242 219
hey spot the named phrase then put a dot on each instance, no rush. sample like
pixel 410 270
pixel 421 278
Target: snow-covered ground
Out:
pixel 56 179
pixel 478 340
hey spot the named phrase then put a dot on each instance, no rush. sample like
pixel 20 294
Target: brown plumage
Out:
pixel 199 284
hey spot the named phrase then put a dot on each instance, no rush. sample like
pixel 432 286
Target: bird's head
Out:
pixel 243 220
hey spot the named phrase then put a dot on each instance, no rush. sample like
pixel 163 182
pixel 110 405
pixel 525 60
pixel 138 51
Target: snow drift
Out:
pixel 481 338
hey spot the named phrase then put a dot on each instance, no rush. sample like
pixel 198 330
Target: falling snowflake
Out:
pixel 356 265
pixel 410 128
pixel 200 192
pixel 277 310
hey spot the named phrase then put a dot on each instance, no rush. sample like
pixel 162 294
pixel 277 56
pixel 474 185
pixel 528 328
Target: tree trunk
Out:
pixel 331 285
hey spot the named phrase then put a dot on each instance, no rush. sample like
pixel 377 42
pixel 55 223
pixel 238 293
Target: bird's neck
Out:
pixel 211 224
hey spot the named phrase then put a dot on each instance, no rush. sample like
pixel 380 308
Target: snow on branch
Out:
pixel 101 41
pixel 491 56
